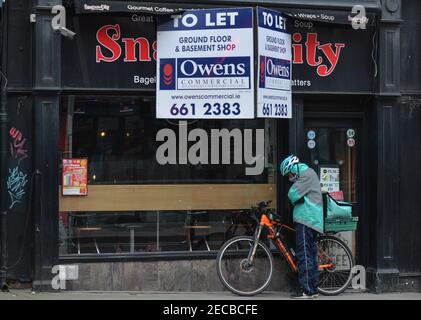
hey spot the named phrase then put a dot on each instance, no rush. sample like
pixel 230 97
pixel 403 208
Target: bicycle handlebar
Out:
pixel 257 210
pixel 263 204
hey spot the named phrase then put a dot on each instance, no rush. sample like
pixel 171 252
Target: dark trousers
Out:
pixel 306 252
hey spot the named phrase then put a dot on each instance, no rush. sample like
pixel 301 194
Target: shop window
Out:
pixel 134 203
pixel 118 135
pixel 83 233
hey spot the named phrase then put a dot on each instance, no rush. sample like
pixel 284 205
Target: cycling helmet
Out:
pixel 288 163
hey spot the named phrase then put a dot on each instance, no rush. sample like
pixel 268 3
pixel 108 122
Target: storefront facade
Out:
pixel 144 225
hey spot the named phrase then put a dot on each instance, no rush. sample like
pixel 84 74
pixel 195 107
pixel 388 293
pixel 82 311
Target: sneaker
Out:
pixel 302 295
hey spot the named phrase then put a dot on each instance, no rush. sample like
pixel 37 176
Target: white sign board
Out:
pixel 274 65
pixel 205 64
pixel 329 179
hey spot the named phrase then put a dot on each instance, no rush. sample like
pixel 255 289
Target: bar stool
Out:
pixel 191 226
pixel 86 231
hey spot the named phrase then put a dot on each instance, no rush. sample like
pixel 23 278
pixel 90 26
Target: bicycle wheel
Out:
pixel 237 274
pixel 336 278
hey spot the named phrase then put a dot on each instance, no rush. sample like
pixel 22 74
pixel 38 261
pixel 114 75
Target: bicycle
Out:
pixel 245 264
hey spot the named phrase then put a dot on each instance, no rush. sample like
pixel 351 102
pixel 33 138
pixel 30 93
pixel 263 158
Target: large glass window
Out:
pixel 137 204
pixel 118 135
pixel 84 233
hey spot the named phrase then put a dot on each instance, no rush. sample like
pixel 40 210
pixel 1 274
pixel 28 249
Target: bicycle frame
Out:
pixel 265 222
pixel 269 224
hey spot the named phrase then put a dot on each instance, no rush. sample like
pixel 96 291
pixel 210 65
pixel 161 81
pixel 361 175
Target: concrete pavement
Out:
pixel 88 295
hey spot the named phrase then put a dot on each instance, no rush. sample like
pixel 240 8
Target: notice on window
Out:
pixel 274 67
pixel 205 65
pixel 329 179
pixel 75 177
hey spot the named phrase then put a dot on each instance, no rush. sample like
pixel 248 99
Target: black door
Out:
pixel 332 147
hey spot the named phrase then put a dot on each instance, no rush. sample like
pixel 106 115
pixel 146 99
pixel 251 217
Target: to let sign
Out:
pixel 205 65
pixel 274 68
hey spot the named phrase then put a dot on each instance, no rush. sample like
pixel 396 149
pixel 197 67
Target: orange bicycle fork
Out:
pixel 266 222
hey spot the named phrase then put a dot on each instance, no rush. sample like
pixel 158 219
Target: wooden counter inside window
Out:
pixel 169 197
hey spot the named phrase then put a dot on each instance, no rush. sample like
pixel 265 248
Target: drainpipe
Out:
pixel 3 152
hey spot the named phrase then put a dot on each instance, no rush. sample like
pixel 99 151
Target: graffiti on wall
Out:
pixel 17 146
pixel 16 183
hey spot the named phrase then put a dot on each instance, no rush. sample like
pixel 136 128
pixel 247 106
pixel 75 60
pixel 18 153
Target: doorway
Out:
pixel 332 147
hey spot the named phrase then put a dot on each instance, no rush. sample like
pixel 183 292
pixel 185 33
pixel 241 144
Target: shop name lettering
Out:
pixel 324 57
pixel 312 48
pixel 139 49
pixel 198 152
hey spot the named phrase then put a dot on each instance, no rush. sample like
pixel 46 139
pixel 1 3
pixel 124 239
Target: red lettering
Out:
pixel 314 57
pixel 109 43
pixel 332 56
pixel 297 49
pixel 312 45
pixel 130 46
pixel 135 49
pixel 154 48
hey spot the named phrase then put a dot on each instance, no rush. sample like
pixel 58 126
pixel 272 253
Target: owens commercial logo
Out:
pixel 274 73
pixel 167 74
pixel 102 7
pixel 277 68
pixel 213 67
pixel 205 73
